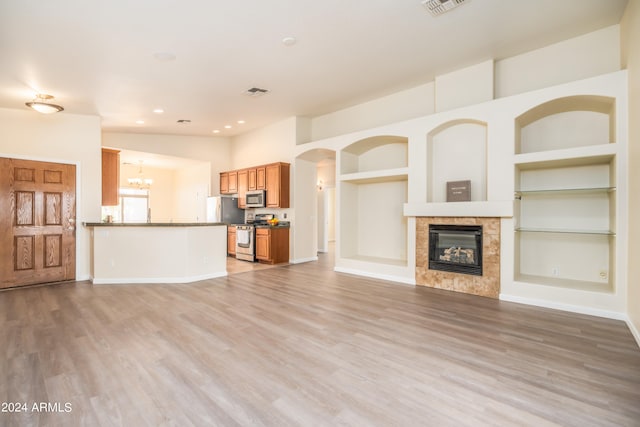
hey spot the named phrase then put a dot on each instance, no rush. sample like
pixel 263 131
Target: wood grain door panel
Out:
pixel 37 210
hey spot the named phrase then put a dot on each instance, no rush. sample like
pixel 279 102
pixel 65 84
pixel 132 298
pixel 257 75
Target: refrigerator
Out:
pixel 224 209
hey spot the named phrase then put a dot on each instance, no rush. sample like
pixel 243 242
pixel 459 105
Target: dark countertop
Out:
pixel 153 224
pixel 274 226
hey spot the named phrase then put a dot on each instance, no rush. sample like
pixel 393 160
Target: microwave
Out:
pixel 255 199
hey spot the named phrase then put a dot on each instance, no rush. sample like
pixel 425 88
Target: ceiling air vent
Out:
pixel 183 121
pixel 256 91
pixel 438 7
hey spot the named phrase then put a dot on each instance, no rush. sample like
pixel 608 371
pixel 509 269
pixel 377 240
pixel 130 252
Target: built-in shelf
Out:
pixel 565 202
pixel 568 191
pixel 595 154
pixel 563 231
pixel 557 282
pixel 370 177
pixel 373 180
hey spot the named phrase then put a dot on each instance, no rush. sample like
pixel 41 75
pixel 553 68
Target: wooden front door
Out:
pixel 37 222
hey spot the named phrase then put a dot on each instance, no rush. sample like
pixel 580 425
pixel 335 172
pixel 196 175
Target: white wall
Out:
pixel 581 57
pixel 304 231
pixel 190 195
pixel 161 192
pixel 585 56
pixel 215 150
pixel 61 138
pixel 631 56
pixel 272 143
pixel 416 102
pixel 466 86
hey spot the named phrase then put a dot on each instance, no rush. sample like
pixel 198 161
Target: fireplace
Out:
pixel 456 248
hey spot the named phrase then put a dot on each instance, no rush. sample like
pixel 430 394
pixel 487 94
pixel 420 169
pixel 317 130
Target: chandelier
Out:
pixel 140 181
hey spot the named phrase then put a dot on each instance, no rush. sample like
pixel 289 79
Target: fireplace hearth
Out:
pixel 456 248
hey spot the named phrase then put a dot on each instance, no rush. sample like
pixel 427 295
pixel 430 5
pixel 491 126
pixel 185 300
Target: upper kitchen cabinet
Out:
pixel 256 178
pixel 261 178
pixel 110 177
pixel 229 182
pixel 277 185
pixel 243 184
pixel 224 183
pixel 233 182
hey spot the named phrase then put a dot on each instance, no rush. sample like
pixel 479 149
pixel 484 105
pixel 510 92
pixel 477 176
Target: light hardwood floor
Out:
pixel 303 345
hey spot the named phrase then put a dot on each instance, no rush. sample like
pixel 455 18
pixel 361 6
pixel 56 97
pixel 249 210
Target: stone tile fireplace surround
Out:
pixel 487 285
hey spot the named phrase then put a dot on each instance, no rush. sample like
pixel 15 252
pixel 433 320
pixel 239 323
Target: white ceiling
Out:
pixel 98 57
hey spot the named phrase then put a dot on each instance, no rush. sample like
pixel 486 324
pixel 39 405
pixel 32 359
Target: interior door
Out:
pixel 37 219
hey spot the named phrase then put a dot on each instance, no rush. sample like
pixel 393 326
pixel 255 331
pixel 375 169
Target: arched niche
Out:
pixel 457 151
pixel 375 153
pixel 568 122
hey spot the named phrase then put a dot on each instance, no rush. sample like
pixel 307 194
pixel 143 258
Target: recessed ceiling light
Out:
pixel 140 122
pixel 227 126
pixel 158 111
pixel 240 122
pixel 216 131
pixel 164 56
pixel 289 41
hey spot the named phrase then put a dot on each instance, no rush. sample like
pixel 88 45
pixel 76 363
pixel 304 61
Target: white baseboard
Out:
pixel 166 280
pixel 634 330
pixel 301 260
pixel 398 279
pixel 565 307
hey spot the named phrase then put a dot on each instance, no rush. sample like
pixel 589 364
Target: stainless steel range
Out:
pixel 246 236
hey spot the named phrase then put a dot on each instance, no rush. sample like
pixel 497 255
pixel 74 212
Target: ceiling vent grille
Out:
pixel 438 7
pixel 256 91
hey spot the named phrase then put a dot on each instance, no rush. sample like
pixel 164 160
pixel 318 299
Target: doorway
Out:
pixel 315 177
pixel 38 212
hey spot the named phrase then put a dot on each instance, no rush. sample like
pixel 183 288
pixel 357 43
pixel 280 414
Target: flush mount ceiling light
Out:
pixel 438 7
pixel 42 104
pixel 255 92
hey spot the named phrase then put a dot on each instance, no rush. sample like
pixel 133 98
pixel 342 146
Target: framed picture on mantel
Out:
pixel 458 191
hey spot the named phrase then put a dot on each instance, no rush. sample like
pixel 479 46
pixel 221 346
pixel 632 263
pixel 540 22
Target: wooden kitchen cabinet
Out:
pixel 224 183
pixel 110 177
pixel 261 182
pixel 231 240
pixel 273 178
pixel 277 185
pixel 272 244
pixel 252 179
pixel 243 183
pixel 233 182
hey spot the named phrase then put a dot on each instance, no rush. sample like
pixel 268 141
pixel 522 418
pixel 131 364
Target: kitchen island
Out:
pixel 157 252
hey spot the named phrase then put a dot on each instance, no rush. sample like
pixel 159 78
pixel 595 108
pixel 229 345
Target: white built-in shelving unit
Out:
pixel 565 199
pixel 373 177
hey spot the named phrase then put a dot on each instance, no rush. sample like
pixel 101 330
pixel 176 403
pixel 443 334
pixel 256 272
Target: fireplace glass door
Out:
pixel 456 248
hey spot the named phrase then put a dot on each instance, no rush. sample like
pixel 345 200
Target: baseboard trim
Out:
pixel 156 280
pixel 634 330
pixel 301 260
pixel 564 307
pixel 390 278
